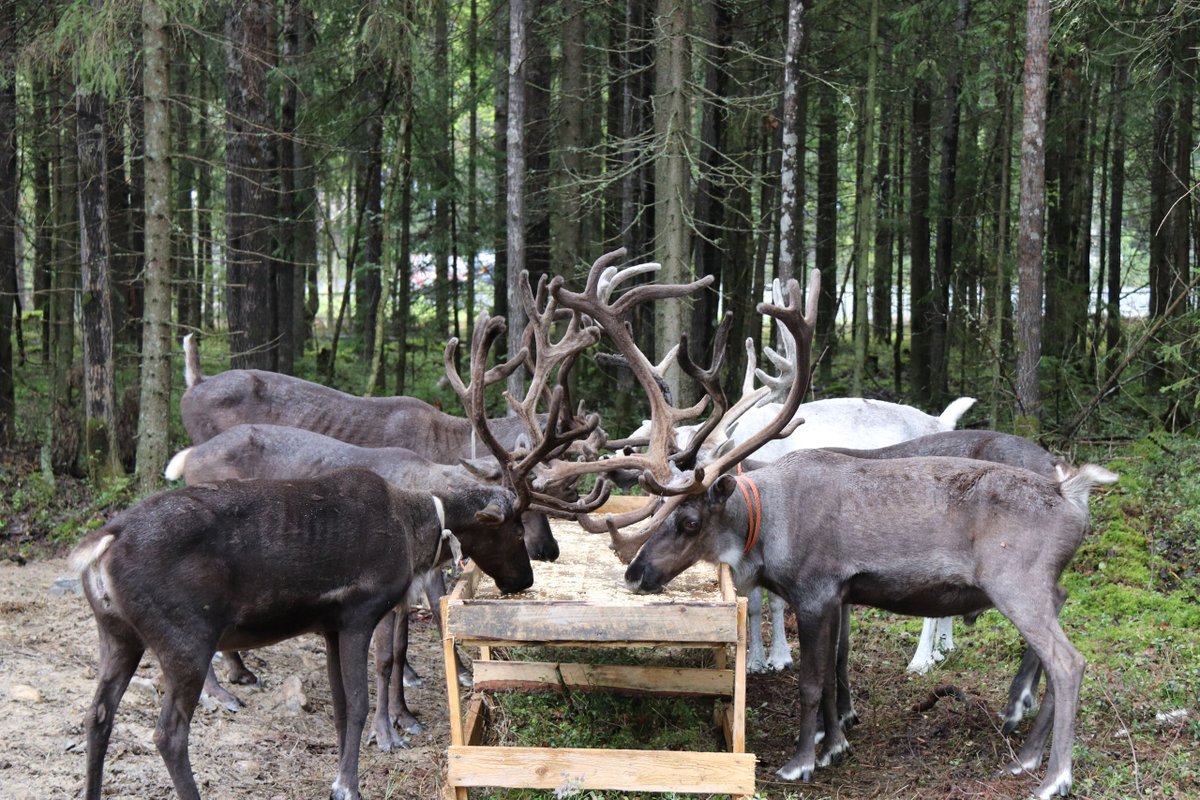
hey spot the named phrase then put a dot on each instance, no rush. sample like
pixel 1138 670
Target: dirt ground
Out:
pixel 48 656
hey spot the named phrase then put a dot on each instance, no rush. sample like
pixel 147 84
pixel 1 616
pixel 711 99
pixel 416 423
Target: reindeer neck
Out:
pixel 429 549
pixel 742 526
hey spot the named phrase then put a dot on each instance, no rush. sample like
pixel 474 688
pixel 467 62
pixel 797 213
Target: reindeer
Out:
pixel 214 403
pixel 241 564
pixel 273 451
pixel 927 536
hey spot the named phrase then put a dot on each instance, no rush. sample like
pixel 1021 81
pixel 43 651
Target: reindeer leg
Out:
pixel 781 653
pixel 381 727
pixel 816 628
pixel 401 716
pixel 1036 617
pixel 847 716
pixel 756 659
pixel 120 652
pixel 184 674
pixel 350 666
pixel 214 692
pixel 239 673
pixel 926 656
pixel 1022 693
pixel 835 744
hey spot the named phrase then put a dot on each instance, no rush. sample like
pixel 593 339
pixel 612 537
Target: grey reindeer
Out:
pixel 924 536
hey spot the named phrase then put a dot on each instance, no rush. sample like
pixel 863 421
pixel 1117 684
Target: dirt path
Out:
pixel 48 657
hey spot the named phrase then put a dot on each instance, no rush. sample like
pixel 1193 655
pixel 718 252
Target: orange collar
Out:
pixel 754 507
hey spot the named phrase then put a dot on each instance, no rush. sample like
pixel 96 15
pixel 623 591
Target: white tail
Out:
pixel 954 412
pixel 84 557
pixel 1075 486
pixel 174 470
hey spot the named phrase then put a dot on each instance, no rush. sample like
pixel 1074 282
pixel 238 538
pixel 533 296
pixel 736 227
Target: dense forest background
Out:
pixel 1001 196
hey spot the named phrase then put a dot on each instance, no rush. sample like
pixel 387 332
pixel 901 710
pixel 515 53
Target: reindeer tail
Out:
pixel 1076 484
pixel 191 363
pixel 90 548
pixel 949 418
pixel 174 470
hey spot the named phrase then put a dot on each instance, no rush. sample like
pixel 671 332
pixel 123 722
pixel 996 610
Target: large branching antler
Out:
pixel 801 327
pixel 596 303
pixel 546 440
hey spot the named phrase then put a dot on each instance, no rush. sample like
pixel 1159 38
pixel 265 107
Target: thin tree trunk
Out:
pixel 100 447
pixel 472 238
pixel 825 243
pixel 569 241
pixel 1031 221
pixel 404 258
pixel 865 209
pixel 518 22
pixel 920 279
pixel 249 54
pixel 1001 286
pixel 790 209
pixel 1116 207
pixel 443 172
pixel 155 411
pixel 8 218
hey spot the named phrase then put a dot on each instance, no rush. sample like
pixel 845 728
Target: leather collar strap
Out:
pixel 754 507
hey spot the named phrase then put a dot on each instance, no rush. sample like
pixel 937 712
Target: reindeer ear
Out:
pixel 483 469
pixel 723 487
pixel 491 514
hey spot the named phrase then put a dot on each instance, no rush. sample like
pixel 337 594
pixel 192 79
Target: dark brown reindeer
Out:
pixel 922 536
pixel 241 564
pixel 246 452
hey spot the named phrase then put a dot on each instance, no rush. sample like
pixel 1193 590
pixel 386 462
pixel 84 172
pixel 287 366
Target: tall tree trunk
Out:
pixel 186 272
pixel 790 209
pixel 443 175
pixel 1031 217
pixel 865 209
pixel 100 447
pixel 472 237
pixel 944 261
pixel 538 78
pixel 8 218
pixel 500 84
pixel 568 243
pixel 881 295
pixel 64 437
pixel 1116 208
pixel 404 258
pixel 672 129
pixel 712 244
pixel 155 405
pixel 1001 288
pixel 43 208
pixel 920 279
pixel 518 22
pixel 825 243
pixel 368 272
pixel 249 54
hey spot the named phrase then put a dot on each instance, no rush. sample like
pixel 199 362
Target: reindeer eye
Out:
pixel 689 525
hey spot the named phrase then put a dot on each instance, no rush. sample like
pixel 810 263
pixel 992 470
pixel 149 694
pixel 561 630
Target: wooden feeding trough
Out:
pixel 580 601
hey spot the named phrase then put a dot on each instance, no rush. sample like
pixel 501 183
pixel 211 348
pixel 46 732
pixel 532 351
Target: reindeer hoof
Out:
pixel 801 772
pixel 1059 786
pixel 220 699
pixel 834 755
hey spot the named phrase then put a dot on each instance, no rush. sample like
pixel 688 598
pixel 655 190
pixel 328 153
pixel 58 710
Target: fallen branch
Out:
pixel 937 694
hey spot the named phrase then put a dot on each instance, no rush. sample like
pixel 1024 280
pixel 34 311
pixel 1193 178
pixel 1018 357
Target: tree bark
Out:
pixel 8 218
pixel 155 405
pixel 249 54
pixel 672 130
pixel 825 241
pixel 865 209
pixel 920 279
pixel 1116 208
pixel 790 208
pixel 515 219
pixel 100 447
pixel 568 243
pixel 1031 217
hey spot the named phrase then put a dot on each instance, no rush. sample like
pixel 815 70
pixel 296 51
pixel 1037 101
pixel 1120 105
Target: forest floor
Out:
pixel 1138 734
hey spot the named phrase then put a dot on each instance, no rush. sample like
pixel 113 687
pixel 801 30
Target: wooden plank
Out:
pixel 725 580
pixel 467 583
pixel 532 675
pixel 573 769
pixel 739 679
pixel 452 697
pixel 723 719
pixel 476 714
pixel 510 621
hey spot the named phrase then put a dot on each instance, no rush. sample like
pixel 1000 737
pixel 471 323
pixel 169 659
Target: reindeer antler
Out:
pixel 801 327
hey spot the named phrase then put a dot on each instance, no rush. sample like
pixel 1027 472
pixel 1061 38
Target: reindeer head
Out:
pixel 487 524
